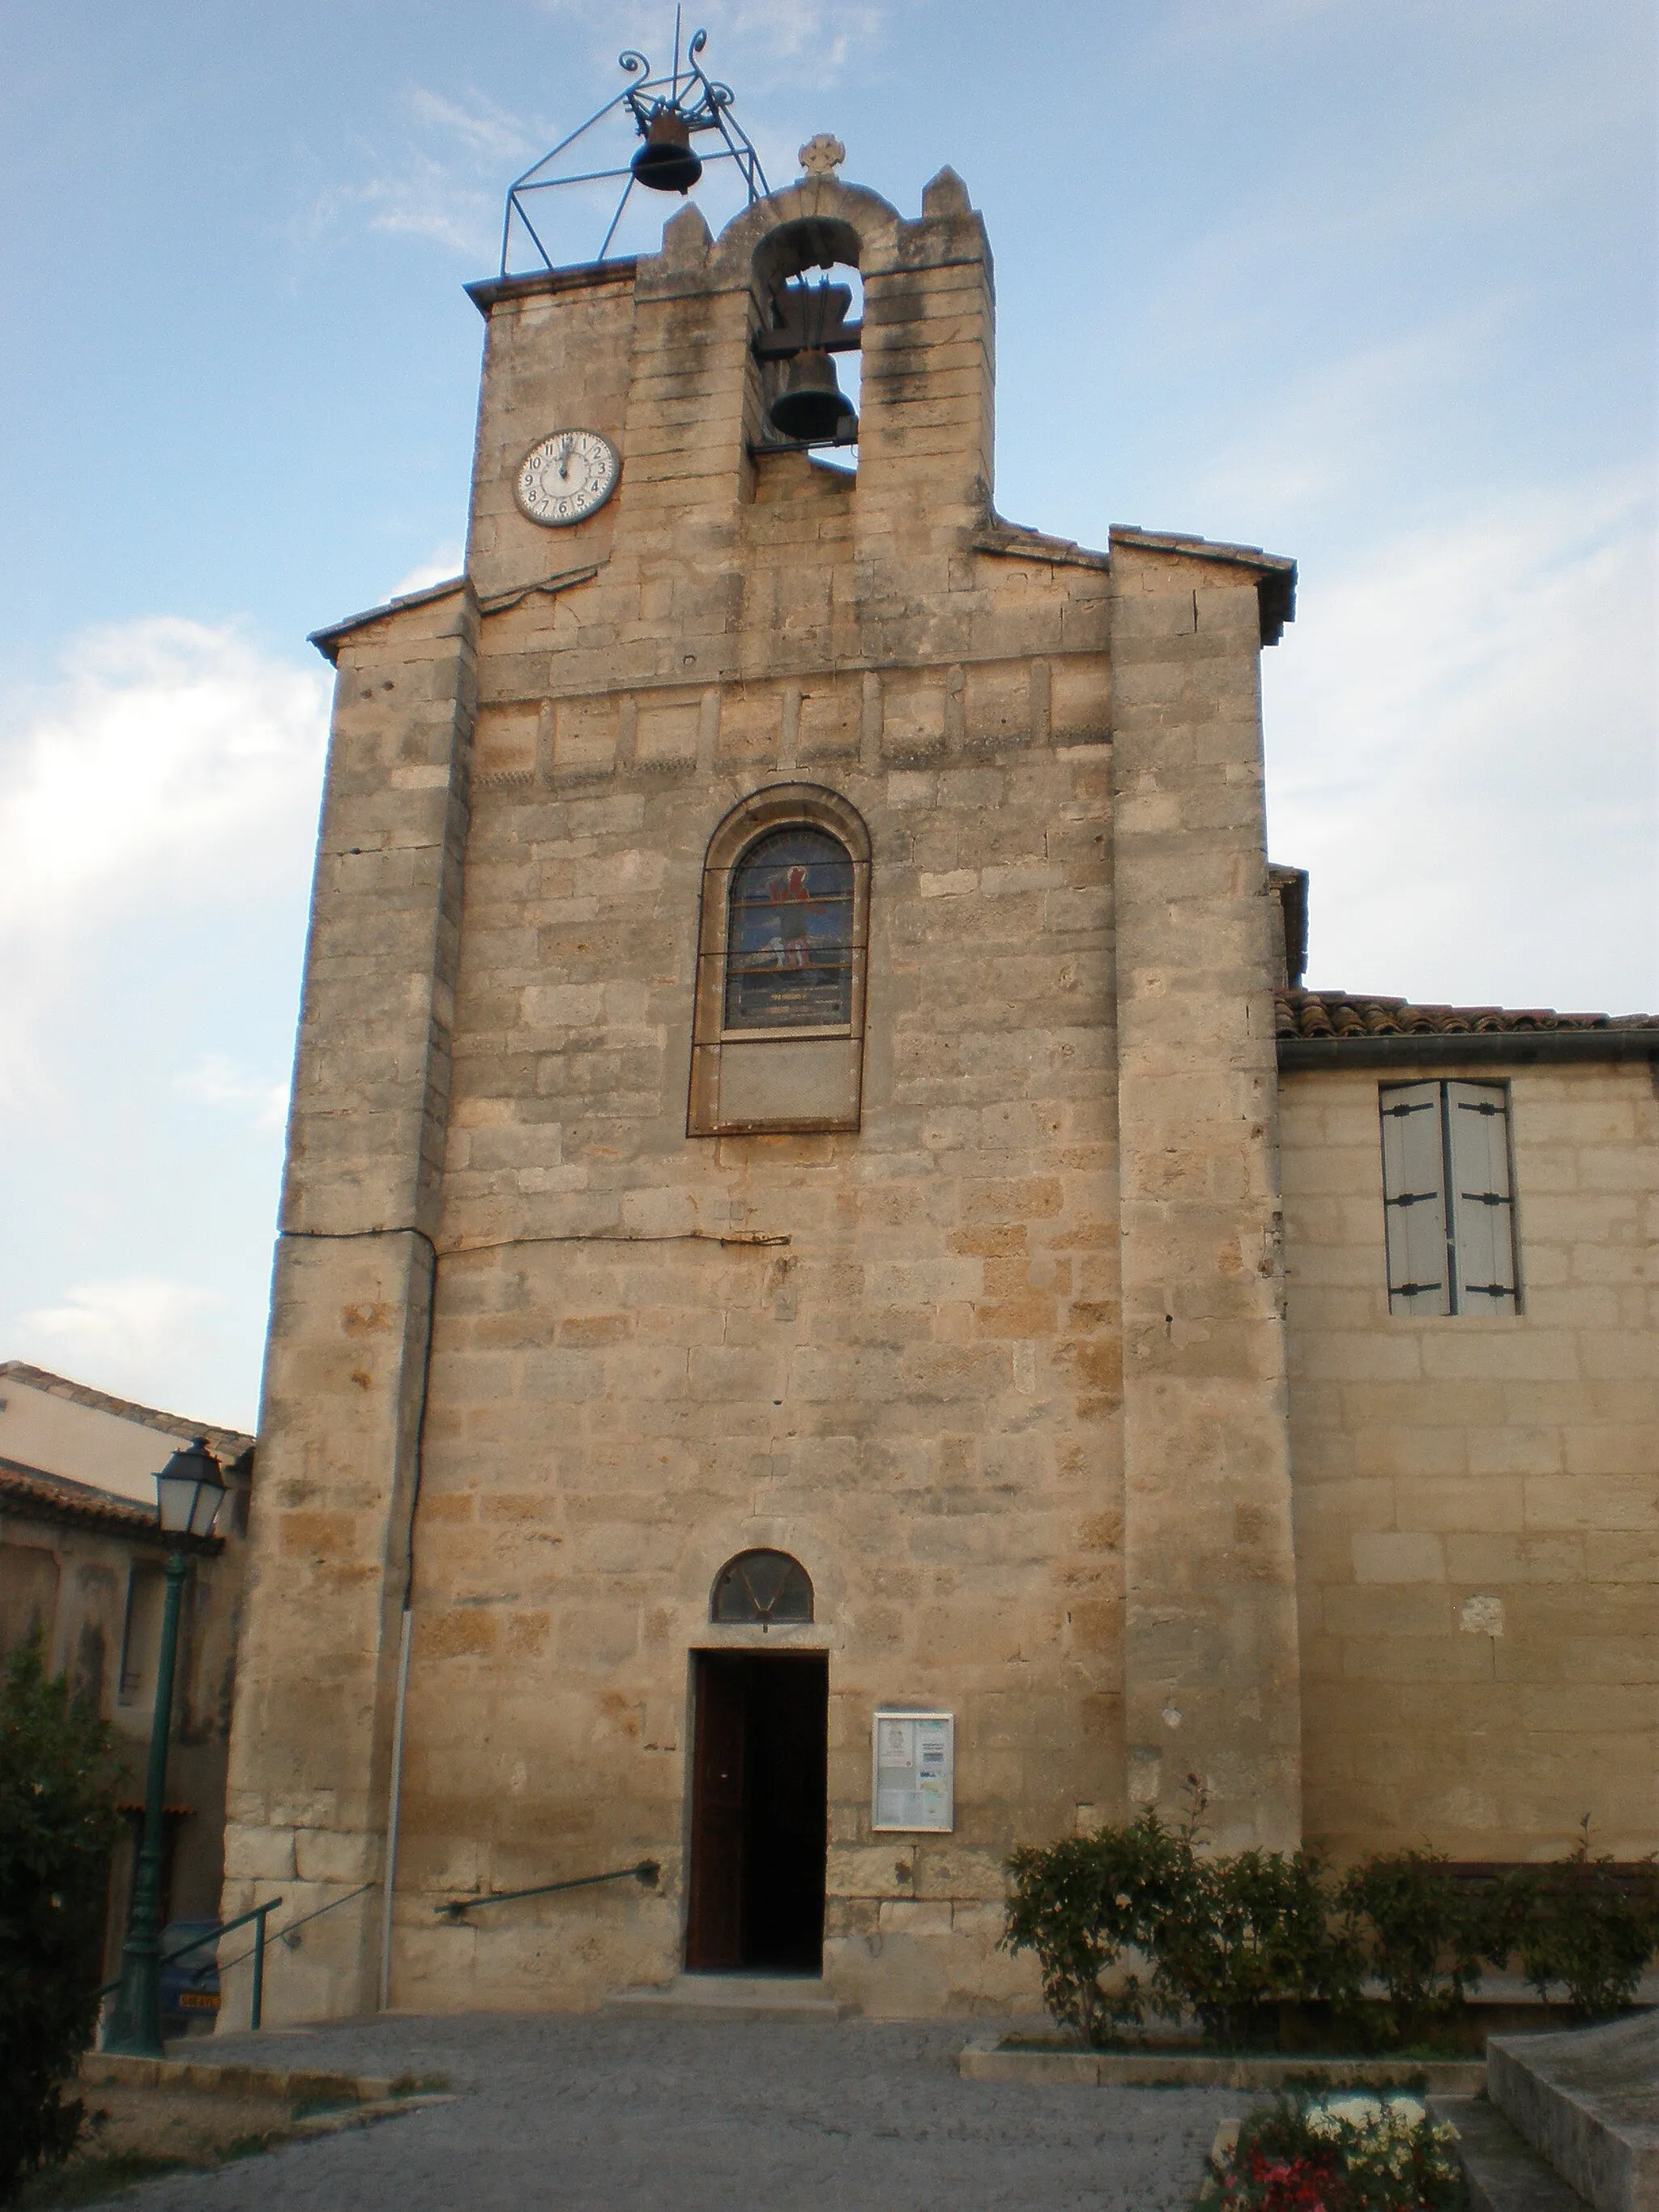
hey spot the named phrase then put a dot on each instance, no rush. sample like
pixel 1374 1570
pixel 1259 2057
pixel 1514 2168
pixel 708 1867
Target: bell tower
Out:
pixel 781 1172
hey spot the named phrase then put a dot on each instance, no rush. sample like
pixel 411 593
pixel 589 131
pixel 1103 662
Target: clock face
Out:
pixel 566 478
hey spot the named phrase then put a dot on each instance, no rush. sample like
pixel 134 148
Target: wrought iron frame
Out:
pixel 701 103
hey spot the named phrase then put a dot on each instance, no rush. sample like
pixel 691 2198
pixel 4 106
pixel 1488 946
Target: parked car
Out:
pixel 190 1984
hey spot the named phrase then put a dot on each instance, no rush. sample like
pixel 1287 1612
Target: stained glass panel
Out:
pixel 789 945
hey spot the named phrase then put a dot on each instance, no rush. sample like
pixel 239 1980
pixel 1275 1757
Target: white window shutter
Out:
pixel 1482 1201
pixel 1413 1193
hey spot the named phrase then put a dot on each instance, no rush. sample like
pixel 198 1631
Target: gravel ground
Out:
pixel 556 2113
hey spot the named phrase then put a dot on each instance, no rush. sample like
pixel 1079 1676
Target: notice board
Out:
pixel 915 1781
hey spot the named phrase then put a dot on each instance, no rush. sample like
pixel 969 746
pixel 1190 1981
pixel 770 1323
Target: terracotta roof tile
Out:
pixel 31 1491
pixel 227 1445
pixel 1350 1014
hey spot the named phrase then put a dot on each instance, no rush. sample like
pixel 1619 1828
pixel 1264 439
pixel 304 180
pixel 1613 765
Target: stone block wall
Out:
pixel 1477 1509
pixel 893 1355
pixel 344 1372
pixel 896 1353
pixel 1211 1669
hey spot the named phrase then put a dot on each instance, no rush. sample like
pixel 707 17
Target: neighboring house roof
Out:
pixel 227 1445
pixel 34 1495
pixel 1337 1029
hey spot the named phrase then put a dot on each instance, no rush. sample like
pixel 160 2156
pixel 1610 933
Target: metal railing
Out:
pixel 646 1872
pixel 260 1913
pixel 457 1907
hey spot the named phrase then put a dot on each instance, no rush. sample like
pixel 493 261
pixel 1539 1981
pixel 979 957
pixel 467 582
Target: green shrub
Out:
pixel 57 1828
pixel 1582 1924
pixel 1080 1903
pixel 1423 1935
pixel 1260 1932
pixel 1228 1938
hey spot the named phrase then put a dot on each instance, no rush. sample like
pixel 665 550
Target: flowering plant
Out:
pixel 1342 2154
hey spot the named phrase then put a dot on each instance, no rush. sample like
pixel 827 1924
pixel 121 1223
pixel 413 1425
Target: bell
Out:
pixel 810 407
pixel 665 162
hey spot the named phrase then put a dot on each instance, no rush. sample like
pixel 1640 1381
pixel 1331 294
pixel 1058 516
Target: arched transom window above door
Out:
pixel 778 1039
pixel 763 1589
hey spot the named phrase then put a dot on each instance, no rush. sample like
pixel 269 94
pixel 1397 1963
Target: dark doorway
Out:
pixel 759 1799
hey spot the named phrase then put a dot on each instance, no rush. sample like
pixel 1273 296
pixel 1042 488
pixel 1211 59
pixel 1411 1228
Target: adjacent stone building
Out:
pixel 82 1565
pixel 783 1222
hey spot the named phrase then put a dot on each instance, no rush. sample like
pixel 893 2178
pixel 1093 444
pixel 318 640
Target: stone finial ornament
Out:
pixel 823 155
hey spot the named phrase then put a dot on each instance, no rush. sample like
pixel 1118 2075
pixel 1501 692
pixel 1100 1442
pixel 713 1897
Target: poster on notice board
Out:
pixel 916 1780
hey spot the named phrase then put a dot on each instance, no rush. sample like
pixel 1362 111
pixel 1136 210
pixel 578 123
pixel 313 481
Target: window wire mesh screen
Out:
pixel 789 944
pixel 763 1586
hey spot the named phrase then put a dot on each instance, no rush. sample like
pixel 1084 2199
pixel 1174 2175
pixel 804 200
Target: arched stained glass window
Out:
pixel 789 941
pixel 777 1031
pixel 763 1586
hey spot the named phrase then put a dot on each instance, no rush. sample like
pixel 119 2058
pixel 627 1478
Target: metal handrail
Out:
pixel 646 1872
pixel 223 1928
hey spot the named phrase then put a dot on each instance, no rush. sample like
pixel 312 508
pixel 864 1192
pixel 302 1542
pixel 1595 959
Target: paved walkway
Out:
pixel 557 2113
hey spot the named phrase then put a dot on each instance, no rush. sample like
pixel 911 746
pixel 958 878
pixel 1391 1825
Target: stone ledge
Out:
pixel 731 1996
pixel 115 2069
pixel 982 2059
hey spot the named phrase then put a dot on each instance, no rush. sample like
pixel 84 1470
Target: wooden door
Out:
pixel 785 1814
pixel 714 1934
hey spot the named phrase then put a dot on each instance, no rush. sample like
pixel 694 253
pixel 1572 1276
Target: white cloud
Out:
pixel 447 179
pixel 128 1336
pixel 443 562
pixel 148 768
pixel 1460 736
pixel 1340 426
pixel 478 124
pixel 172 769
pixel 821 34
pixel 217 1081
pixel 424 197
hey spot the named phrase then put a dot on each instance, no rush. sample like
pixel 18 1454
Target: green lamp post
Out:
pixel 189 1493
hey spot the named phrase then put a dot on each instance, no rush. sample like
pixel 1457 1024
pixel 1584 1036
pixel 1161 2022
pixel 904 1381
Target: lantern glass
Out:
pixel 188 1491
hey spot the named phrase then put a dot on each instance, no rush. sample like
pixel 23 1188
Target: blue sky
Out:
pixel 1367 281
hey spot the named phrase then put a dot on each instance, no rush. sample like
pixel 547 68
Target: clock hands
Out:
pixel 566 478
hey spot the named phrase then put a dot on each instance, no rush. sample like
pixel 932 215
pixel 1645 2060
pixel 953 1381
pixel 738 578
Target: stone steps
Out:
pixel 1589 2100
pixel 731 1996
pixel 1504 2173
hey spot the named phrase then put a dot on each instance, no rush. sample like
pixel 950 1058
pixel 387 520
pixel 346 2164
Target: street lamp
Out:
pixel 189 1493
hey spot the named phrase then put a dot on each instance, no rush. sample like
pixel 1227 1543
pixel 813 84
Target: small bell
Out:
pixel 810 407
pixel 665 162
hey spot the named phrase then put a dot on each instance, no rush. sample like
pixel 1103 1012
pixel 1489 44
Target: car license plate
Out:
pixel 198 2001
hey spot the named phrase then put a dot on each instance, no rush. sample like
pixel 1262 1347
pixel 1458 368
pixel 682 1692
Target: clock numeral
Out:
pixel 568 477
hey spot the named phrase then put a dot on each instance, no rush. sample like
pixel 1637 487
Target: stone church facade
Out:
pixel 782 1225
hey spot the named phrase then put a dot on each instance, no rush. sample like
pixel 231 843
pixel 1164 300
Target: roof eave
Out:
pixel 1448 1048
pixel 1274 572
pixel 328 642
pixel 33 1494
pixel 485 291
